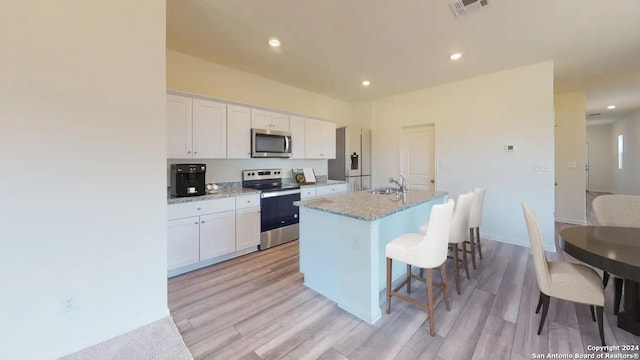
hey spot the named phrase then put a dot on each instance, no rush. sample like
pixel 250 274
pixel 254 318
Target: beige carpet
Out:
pixel 159 340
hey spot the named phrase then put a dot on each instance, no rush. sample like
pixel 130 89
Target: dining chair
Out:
pixel 475 220
pixel 428 251
pixel 563 280
pixel 617 210
pixel 458 236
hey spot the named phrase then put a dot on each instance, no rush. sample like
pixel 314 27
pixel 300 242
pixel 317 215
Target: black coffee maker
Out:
pixel 188 179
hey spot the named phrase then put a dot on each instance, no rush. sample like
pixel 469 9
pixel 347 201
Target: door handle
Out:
pixel 433 181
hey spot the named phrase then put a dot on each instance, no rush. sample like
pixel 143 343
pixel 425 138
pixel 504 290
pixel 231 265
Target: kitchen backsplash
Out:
pixel 230 170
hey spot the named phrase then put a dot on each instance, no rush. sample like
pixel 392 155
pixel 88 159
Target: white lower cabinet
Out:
pixel 183 242
pixel 247 228
pixel 217 234
pixel 326 190
pixel 200 233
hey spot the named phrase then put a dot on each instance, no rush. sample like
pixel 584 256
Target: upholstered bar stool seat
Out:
pixel 425 251
pixel 458 236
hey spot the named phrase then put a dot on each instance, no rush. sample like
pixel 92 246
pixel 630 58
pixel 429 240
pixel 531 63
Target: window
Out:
pixel 620 150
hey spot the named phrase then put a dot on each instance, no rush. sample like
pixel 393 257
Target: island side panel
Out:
pixel 337 259
pixel 392 226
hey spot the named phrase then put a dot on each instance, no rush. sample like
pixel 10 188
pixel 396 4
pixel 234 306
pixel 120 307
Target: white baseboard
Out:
pixel 571 221
pixel 547 247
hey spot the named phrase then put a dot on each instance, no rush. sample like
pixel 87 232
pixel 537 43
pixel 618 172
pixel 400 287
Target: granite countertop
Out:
pixel 235 189
pixel 367 206
pixel 221 193
pixel 322 182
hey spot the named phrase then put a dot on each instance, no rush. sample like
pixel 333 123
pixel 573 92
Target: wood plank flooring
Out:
pixel 256 307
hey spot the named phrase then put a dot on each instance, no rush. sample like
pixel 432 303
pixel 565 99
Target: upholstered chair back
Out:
pixel 540 263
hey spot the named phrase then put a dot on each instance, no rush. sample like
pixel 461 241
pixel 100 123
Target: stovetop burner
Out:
pixel 265 180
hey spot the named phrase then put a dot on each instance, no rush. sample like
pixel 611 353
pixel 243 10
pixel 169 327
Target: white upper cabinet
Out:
pixel 179 127
pixel 320 139
pixel 238 132
pixel 209 130
pixel 268 120
pixel 296 127
pixel 196 128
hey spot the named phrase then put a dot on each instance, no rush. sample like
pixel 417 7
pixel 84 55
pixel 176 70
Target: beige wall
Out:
pixel 602 160
pixel 626 181
pixel 82 144
pixel 474 119
pixel 570 149
pixel 191 74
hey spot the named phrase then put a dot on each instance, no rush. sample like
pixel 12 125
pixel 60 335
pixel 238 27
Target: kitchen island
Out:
pixel 342 244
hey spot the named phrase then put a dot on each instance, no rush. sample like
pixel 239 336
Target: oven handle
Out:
pixel 271 194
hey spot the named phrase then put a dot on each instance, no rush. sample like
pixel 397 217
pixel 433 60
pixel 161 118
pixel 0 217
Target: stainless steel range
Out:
pixel 278 216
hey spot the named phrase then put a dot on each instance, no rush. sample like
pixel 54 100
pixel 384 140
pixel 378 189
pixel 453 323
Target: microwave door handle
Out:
pixel 287 145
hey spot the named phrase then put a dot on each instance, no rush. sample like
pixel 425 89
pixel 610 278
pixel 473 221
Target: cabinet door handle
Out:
pixel 195 223
pixel 199 208
pixel 202 222
pixel 188 152
pixel 195 152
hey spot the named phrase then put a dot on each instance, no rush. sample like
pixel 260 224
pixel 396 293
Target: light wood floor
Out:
pixel 256 307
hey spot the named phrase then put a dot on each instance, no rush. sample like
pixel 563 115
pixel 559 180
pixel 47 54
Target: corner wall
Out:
pixel 570 154
pixel 82 142
pixel 474 119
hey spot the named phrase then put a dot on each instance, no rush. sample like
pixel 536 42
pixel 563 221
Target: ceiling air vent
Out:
pixel 595 114
pixel 464 7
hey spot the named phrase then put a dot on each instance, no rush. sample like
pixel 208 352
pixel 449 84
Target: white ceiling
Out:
pixel 330 46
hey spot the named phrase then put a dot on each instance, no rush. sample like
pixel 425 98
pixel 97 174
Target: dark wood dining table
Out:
pixel 617 251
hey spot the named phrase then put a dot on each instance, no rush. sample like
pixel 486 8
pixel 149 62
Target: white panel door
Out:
pixel 179 127
pixel 238 132
pixel 261 119
pixel 328 140
pixel 296 127
pixel 217 234
pixel 280 121
pixel 417 156
pixel 247 228
pixel 209 130
pixel 313 139
pixel 182 242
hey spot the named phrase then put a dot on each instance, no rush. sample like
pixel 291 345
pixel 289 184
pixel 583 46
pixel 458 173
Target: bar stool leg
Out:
pixel 478 242
pixel 408 279
pixel 389 263
pixel 473 248
pixel 445 293
pixel 432 322
pixel 456 266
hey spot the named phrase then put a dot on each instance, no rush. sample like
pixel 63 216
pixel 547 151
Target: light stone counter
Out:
pixel 367 206
pixel 223 192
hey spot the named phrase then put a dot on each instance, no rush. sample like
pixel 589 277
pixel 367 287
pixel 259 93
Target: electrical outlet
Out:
pixel 68 304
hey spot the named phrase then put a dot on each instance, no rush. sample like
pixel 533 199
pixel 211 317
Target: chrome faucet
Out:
pixel 402 184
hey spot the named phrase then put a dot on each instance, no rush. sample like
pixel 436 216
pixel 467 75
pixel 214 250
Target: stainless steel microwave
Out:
pixel 270 143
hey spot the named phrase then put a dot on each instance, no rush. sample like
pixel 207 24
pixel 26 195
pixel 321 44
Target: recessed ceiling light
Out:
pixel 366 83
pixel 611 107
pixel 455 56
pixel 274 42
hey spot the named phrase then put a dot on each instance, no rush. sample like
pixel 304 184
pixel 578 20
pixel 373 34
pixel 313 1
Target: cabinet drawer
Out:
pixel 196 208
pixel 307 192
pixel 247 201
pixel 331 189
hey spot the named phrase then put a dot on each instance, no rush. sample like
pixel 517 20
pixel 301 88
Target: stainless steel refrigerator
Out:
pixel 353 158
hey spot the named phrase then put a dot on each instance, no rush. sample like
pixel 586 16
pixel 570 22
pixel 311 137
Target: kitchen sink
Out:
pixel 385 191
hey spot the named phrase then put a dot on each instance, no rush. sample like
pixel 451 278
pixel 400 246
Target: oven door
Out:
pixel 277 209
